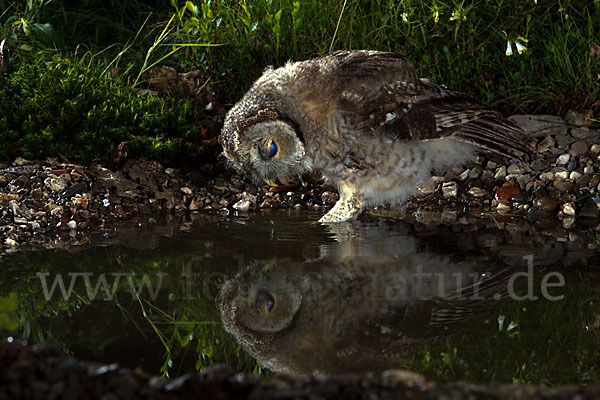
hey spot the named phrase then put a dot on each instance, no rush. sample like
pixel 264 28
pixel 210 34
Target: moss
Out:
pixel 60 106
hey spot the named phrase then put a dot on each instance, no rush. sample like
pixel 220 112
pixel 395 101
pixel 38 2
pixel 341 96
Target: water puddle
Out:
pixel 471 299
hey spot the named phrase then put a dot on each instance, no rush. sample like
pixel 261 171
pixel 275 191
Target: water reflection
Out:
pixel 370 300
pixel 356 285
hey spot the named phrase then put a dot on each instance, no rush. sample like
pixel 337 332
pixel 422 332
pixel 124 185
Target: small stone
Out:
pixel 449 190
pixel 487 177
pixel 477 192
pixel 500 173
pixel 475 172
pixel 563 141
pixel 539 164
pixel 568 208
pixel 547 176
pixel 464 175
pixel 81 202
pixel 491 165
pixel 546 144
pixel 55 184
pixel 331 197
pixel 562 174
pixel 72 224
pixel 75 189
pixel 588 170
pixel 568 222
pixel 502 208
pixel 516 169
pixel 583 133
pixel 562 185
pixel 242 205
pixel 186 190
pixel 426 187
pixel 574 118
pixel 194 205
pixel 563 159
pixel 595 149
pixel 590 209
pixel 11 242
pixel 578 148
pixel 506 193
pixel 574 175
pixel 170 172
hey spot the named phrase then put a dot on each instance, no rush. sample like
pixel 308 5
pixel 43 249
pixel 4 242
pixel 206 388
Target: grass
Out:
pixel 553 66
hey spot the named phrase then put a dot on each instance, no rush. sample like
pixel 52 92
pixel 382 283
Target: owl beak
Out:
pixel 269 181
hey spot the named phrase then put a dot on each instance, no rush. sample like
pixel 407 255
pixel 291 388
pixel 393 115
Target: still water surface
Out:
pixel 469 298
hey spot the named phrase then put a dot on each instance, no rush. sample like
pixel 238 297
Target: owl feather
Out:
pixel 366 122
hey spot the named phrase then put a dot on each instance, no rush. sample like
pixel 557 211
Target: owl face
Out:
pixel 264 308
pixel 266 148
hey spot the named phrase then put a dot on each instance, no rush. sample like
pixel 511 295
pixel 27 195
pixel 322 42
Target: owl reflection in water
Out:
pixel 366 122
pixel 366 314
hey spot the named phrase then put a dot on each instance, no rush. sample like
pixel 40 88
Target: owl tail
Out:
pixel 497 138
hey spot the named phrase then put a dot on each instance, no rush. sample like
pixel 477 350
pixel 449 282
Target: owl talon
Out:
pixel 347 208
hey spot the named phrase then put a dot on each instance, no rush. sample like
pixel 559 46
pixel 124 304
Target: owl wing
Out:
pixel 379 94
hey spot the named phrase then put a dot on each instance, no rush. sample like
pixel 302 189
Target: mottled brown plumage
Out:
pixel 368 312
pixel 366 122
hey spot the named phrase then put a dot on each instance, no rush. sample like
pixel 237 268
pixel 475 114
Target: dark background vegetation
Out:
pixel 56 97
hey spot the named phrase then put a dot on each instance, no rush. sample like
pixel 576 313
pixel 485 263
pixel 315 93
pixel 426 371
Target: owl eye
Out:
pixel 269 151
pixel 269 302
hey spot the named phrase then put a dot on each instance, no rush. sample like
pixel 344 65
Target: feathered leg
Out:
pixel 347 208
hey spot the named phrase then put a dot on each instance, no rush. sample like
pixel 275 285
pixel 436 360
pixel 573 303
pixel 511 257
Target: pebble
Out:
pixel 449 190
pixel 590 209
pixel 578 148
pixel 72 224
pixel 478 192
pixel 506 193
pixel 595 149
pixel 500 173
pixel 546 144
pixel 574 175
pixel 568 208
pixel 55 184
pixel 562 174
pixel 516 169
pixel 563 159
pixel 568 222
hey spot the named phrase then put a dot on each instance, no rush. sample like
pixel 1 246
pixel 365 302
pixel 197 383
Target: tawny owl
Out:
pixel 366 122
pixel 366 314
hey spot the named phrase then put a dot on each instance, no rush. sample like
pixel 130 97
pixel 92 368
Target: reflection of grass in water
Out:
pixel 213 344
pixel 552 345
pixel 184 327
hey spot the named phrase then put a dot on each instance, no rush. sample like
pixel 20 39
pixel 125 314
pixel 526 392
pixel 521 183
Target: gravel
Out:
pixel 51 203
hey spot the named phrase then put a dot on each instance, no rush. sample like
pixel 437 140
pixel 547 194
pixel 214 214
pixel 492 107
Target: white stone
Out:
pixel 72 224
pixel 477 192
pixel 562 174
pixel 575 175
pixel 242 205
pixel 568 208
pixel 563 159
pixel 500 173
pixel 55 184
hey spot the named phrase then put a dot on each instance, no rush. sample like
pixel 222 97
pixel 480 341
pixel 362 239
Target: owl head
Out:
pixel 266 144
pixel 258 312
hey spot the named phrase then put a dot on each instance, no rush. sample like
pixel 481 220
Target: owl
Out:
pixel 368 313
pixel 366 122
